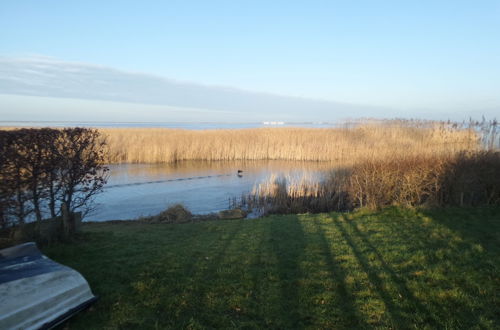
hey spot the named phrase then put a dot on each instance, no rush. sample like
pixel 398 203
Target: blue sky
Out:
pixel 410 56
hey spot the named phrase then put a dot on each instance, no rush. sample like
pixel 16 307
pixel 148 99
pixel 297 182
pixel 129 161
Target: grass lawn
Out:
pixel 395 268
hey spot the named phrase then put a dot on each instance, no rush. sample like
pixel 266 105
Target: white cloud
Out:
pixel 54 79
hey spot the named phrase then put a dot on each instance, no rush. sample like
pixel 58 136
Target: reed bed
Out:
pixel 469 178
pixel 291 194
pixel 346 146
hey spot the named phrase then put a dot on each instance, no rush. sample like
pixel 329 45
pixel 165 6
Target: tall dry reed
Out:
pixel 346 146
pixel 287 194
pixel 464 179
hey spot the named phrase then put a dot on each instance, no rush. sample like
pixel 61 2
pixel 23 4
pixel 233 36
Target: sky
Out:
pixel 246 60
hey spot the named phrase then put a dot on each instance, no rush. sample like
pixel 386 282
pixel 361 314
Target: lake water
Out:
pixel 135 190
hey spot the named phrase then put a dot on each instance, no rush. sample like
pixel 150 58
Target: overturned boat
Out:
pixel 37 292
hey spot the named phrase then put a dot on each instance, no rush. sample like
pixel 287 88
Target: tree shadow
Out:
pixel 449 264
pixel 394 312
pixel 207 269
pixel 259 265
pixel 199 271
pixel 481 225
pixel 402 288
pixel 350 313
pixel 287 242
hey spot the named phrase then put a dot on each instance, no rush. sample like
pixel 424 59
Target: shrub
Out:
pixel 466 179
pixel 43 169
pixel 174 214
pixel 472 179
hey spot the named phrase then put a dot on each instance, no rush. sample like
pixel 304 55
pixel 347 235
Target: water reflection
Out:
pixel 135 190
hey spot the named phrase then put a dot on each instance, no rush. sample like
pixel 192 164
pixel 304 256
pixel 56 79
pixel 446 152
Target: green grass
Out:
pixel 396 268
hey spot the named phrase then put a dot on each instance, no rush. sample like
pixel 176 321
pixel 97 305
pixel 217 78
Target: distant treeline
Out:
pixel 346 146
pixel 43 169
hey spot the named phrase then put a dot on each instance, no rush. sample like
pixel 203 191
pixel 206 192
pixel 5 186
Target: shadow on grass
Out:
pixel 404 292
pixel 257 276
pixel 285 272
pixel 445 247
pixel 350 314
pixel 394 311
pixel 287 244
pixel 482 225
pixel 199 292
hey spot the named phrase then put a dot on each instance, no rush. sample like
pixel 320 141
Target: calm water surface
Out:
pixel 135 190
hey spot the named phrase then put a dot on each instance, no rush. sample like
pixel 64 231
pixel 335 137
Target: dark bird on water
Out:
pixel 240 173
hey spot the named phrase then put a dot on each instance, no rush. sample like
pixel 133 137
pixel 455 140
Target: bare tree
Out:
pixel 35 155
pixel 13 176
pixel 42 168
pixel 82 172
pixel 6 187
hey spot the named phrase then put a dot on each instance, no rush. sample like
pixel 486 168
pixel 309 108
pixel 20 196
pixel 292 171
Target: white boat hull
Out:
pixel 36 292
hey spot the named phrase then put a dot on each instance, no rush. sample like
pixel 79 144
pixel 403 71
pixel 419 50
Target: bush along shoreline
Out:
pixel 177 213
pixel 465 179
pixel 49 174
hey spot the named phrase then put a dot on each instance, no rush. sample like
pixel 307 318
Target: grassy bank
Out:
pixel 346 146
pixel 395 268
